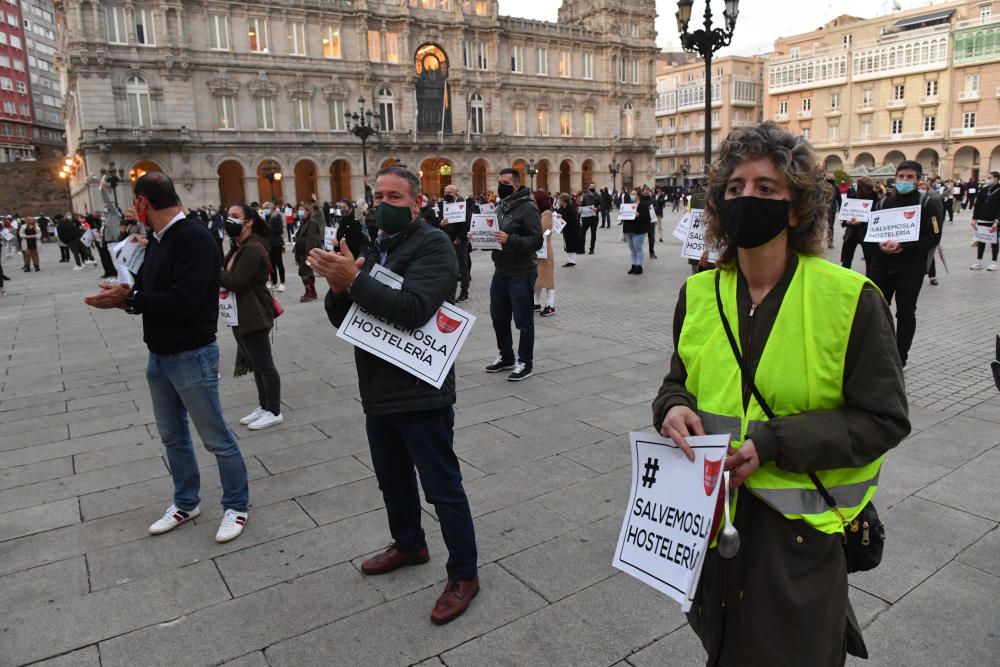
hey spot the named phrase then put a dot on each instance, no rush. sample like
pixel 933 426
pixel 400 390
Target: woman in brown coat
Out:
pixel 545 284
pixel 245 273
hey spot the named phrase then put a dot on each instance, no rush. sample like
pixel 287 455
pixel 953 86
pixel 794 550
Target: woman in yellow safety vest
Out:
pixel 817 342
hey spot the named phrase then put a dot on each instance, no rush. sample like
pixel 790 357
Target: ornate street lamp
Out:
pixel 363 124
pixel 114 177
pixel 705 42
pixel 532 170
pixel 614 168
pixel 272 172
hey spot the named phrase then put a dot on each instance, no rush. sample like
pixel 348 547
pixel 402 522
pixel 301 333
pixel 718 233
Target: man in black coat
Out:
pixel 458 234
pixel 591 204
pixel 985 213
pixel 605 208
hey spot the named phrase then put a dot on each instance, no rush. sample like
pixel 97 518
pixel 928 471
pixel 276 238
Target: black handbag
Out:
pixel 864 537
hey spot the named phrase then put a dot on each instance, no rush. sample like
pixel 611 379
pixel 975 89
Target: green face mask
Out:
pixel 392 219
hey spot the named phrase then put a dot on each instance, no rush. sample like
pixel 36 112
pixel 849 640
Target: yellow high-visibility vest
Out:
pixel 801 368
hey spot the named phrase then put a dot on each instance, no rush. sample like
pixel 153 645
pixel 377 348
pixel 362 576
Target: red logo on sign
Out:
pixel 134 239
pixel 712 470
pixel 446 324
pixel 909 214
pixel 223 294
pixel 489 222
pixel 865 204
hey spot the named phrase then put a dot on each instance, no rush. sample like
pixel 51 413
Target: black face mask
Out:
pixel 750 222
pixel 450 199
pixel 504 190
pixel 233 227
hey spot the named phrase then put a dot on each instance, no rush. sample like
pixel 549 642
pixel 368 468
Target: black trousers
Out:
pixel 905 287
pixel 464 264
pixel 606 218
pixel 652 238
pixel 591 224
pixel 277 264
pixel 853 237
pixel 106 263
pixel 256 349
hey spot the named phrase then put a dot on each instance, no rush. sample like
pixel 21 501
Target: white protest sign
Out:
pixel 329 238
pixel 558 224
pixel 956 190
pixel 588 212
pixel 487 207
pixel 481 232
pixel 668 519
pixel 7 235
pixel 859 209
pixel 127 257
pixel 972 191
pixel 681 230
pixel 427 352
pixel 227 308
pixel 543 252
pixel 894 224
pixel 627 211
pixel 88 238
pixel 694 242
pixel 454 212
pixel 652 213
pixel 984 234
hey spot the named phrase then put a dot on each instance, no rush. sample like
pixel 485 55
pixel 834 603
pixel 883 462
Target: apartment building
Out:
pixel 15 96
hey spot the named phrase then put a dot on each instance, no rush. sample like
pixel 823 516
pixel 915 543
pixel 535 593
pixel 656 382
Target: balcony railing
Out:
pixel 976 131
pixel 928 100
pixel 829 113
pixel 803 115
pixel 895 104
pixel 976 22
pixel 968 95
pixel 781 117
pixel 866 107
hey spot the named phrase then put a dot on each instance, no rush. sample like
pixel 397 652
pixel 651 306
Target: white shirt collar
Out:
pixel 159 235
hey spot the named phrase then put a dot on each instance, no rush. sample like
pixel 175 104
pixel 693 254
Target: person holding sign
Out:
pixel 572 235
pixel 545 284
pixel 635 231
pixel 590 206
pixel 348 227
pixel 410 423
pixel 458 233
pixel 814 341
pixel 985 214
pixel 898 269
pixel 855 228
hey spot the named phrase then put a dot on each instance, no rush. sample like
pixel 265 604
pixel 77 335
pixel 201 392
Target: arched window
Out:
pixel 137 94
pixel 628 121
pixel 476 114
pixel 386 115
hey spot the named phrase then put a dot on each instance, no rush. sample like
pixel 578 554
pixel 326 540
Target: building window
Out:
pixel 391 47
pixel 542 61
pixel 26 111
pixel 588 124
pixel 517 59
pixel 634 67
pixel 566 123
pixel 565 64
pixel 481 7
pixel 467 54
pixel 519 122
pixel 807 104
pixel 137 95
pixel 930 123
pixel 481 56
pixel 296 39
pixel 968 120
pixel 866 97
pixel 115 18
pixel 805 133
pixel 15 42
pixel 783 107
pixel 833 132
pixel 258 36
pixel 846 41
pixel 476 117
pixel 218 32
pixel 8 107
pixel 834 101
pixel 301 116
pixel 386 111
pixel 265 113
pixel 622 67
pixel 19 65
pixel 337 116
pixel 543 123
pixel 899 92
pixel 628 121
pixel 985 13
pixel 21 87
pixel 795 53
pixel 588 65
pixel 866 129
pixel 931 88
pixel 144 27
pixel 972 83
pixel 331 43
pixel 897 126
pixel 374 47
pixel 225 107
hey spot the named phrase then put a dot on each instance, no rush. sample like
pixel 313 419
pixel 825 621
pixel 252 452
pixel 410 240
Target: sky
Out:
pixel 760 22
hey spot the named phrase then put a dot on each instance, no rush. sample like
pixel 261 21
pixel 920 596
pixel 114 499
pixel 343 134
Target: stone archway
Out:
pixel 340 180
pixel 893 158
pixel 306 181
pixel 586 175
pixel 565 172
pixel 143 167
pixel 522 168
pixel 269 181
pixel 995 159
pixel 391 162
pixel 628 175
pixel 542 177
pixel 433 96
pixel 967 163
pixel 866 160
pixel 231 188
pixel 832 163
pixel 435 173
pixel 479 170
pixel 928 159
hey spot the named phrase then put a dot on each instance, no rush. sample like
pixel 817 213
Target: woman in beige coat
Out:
pixel 545 284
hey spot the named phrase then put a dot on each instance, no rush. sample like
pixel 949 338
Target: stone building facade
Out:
pixel 214 92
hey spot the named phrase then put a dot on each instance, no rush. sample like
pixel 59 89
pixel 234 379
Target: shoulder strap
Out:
pixel 747 377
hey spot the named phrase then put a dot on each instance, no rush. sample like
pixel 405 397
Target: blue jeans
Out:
pixel 635 247
pixel 424 440
pixel 187 383
pixel 514 296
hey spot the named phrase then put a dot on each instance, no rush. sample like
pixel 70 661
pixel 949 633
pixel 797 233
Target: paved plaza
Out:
pixel 547 471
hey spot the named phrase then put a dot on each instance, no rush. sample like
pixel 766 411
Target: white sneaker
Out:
pixel 78 268
pixel 268 284
pixel 281 287
pixel 992 266
pixel 266 419
pixel 253 416
pixel 231 526
pixel 173 518
pixel 976 266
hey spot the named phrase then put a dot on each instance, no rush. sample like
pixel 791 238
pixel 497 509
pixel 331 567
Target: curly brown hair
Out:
pixel 796 161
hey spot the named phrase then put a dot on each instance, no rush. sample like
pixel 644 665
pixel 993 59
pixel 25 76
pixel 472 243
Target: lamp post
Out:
pixel 685 168
pixel 363 124
pixel 613 169
pixel 532 170
pixel 114 177
pixel 272 172
pixel 705 42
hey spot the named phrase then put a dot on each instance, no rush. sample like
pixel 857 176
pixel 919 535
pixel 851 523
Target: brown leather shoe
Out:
pixel 454 601
pixel 393 559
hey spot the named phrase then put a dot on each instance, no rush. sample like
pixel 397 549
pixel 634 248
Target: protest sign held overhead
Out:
pixel 481 232
pixel 894 224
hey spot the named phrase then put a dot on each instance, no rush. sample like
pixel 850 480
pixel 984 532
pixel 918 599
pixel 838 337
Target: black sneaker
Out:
pixel 521 371
pixel 538 307
pixel 500 365
pixel 464 296
pixel 549 310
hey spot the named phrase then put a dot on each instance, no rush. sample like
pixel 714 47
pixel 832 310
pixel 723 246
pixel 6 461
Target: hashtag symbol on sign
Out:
pixel 652 466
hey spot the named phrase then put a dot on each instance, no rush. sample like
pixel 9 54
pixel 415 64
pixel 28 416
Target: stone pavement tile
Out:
pixel 680 648
pixel 342 502
pixel 583 356
pixel 35 472
pixel 32 411
pixel 984 554
pixel 634 392
pixel 431 662
pixel 41 585
pixel 948 620
pixel 255 659
pixel 596 626
pixel 56 447
pixel 636 417
pixel 104 424
pixel 23 389
pixel 591 500
pixel 590 409
pixel 971 488
pixel 953 442
pixel 85 657
pixel 31 438
pixel 299 456
pixel 468 399
pixel 340 426
pixel 315 413
pixel 983 411
pixel 231 629
pixel 400 632
pixel 646 372
pixel 38 519
pixel 546 393
pixel 101 401
pixel 84 483
pixel 407 580
pixel 590 369
pixel 921 537
pixel 481 435
pixel 866 607
pixel 922 419
pixel 514 485
pixel 303 481
pixel 568 563
pixel 42 632
pixel 902 476
pixel 268 440
pixel 605 456
pixel 553 438
pixel 490 411
pixel 112 456
pixel 134 560
pixel 514 529
pixel 289 557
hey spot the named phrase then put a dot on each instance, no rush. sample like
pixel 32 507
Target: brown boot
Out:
pixel 310 294
pixel 393 559
pixel 454 601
